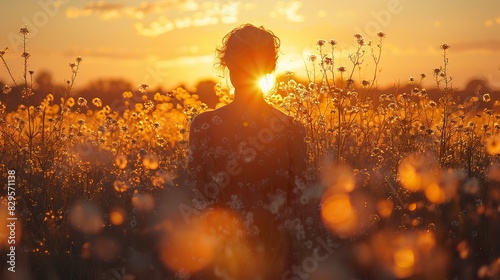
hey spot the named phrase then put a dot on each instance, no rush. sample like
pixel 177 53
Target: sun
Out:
pixel 267 83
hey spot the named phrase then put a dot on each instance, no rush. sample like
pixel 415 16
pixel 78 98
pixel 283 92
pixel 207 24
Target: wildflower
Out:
pixel 362 42
pixel 332 42
pixel 436 71
pixel 489 112
pixel 24 30
pixel 328 60
pixel 381 34
pixel 341 69
pixel 72 65
pixel 82 102
pixel 79 59
pixel 25 55
pixel 143 88
pixel 101 128
pixel 127 95
pixel 97 102
pixel 6 89
pixel 365 83
pixel 3 52
pixel 445 46
pixel 313 86
pixel 320 42
pixel 411 80
pixel 473 99
pixel 376 151
pixel 124 128
pixel 156 125
pixel 486 97
pixel 357 36
pixel 81 122
pixel 27 92
pixel 312 58
pixel 148 104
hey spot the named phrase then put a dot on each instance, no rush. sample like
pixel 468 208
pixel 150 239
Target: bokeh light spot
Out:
pixel 117 216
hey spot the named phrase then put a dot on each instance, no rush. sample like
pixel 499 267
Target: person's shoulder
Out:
pixel 200 122
pixel 286 119
pixel 202 118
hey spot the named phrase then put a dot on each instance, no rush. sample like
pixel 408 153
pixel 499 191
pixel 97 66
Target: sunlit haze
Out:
pixel 172 42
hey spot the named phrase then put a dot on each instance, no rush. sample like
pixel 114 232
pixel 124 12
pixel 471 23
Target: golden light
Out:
pixel 121 161
pixel 493 145
pixel 404 262
pixel 86 217
pixel 338 215
pixel 435 194
pixel 385 207
pixel 151 161
pixel 120 186
pixel 145 202
pixel 267 83
pixel 188 249
pixel 212 238
pixel 338 178
pixel 417 171
pixel 117 216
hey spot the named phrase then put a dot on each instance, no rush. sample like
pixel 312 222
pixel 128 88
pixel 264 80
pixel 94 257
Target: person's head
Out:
pixel 248 52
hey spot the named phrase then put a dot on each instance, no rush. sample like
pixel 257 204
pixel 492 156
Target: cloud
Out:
pixel 486 45
pixel 105 53
pixel 288 10
pixel 171 14
pixel 183 61
pixel 490 22
pixel 208 13
pixel 108 10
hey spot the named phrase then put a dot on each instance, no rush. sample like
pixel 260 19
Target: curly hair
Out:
pixel 248 48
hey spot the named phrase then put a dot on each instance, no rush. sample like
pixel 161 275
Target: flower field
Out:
pixel 404 185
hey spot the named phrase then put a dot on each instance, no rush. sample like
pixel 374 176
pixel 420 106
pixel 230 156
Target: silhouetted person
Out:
pixel 247 155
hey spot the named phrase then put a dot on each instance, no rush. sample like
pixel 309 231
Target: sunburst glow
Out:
pixel 267 83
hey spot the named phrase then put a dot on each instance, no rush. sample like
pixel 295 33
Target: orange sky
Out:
pixel 169 42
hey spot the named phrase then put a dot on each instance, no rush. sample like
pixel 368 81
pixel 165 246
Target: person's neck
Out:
pixel 248 95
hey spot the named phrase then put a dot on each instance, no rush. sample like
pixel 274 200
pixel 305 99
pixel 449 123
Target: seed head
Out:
pixel 24 30
pixel 3 52
pixel 445 46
